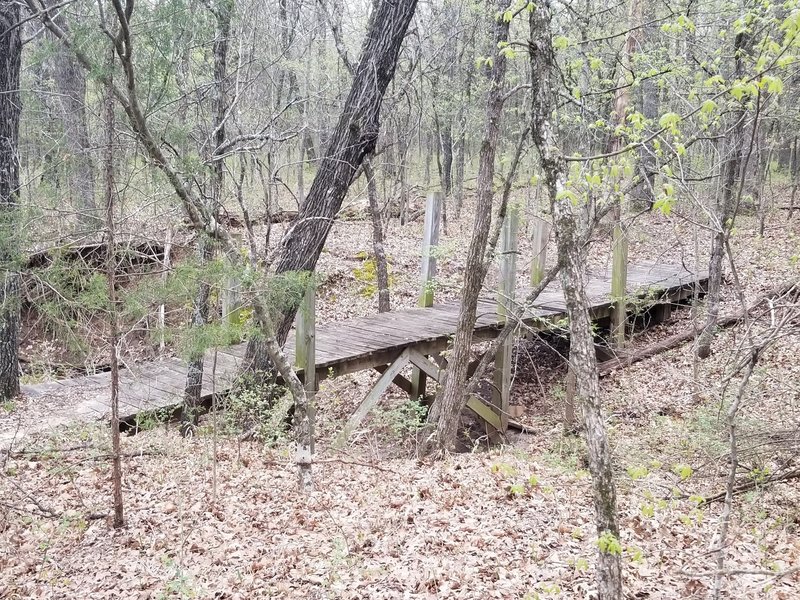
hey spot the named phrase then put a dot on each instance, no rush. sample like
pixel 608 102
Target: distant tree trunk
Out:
pixel 445 413
pixel 381 264
pixel 461 144
pixel 572 257
pixel 724 212
pixel 10 107
pixel 354 138
pixel 194 376
pixel 446 144
pixel 71 85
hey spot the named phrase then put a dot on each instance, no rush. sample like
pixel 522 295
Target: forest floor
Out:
pixel 515 521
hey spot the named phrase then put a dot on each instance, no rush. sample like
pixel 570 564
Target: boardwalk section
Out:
pixel 371 342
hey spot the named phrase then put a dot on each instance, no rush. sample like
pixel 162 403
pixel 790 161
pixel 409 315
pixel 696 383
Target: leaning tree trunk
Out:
pixel 354 138
pixel 445 413
pixel 724 212
pixel 572 257
pixel 381 264
pixel 10 61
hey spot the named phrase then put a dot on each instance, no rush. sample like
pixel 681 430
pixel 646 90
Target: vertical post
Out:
pixel 505 302
pixel 569 399
pixel 541 235
pixel 231 303
pixel 433 219
pixel 619 281
pixel 305 358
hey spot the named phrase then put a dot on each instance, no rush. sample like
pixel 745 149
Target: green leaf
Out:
pixel 609 544
pixel 683 471
pixel 669 121
pixel 708 107
pixel 561 42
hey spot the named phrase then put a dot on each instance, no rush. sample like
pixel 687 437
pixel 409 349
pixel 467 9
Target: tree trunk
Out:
pixel 10 61
pixel 219 106
pixel 724 212
pixel 445 413
pixel 572 256
pixel 354 138
pixel 111 271
pixel 71 86
pixel 461 144
pixel 381 264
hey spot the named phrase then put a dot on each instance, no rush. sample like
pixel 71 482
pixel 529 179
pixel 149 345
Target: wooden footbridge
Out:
pixel 387 342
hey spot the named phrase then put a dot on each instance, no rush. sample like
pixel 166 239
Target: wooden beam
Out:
pixel 619 284
pixel 423 363
pixel 305 356
pixel 400 381
pixel 372 398
pixel 501 391
pixel 430 241
pixel 541 235
pixel 230 293
pixel 485 412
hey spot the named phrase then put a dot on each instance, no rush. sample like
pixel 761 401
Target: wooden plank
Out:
pixel 423 363
pixel 501 391
pixel 541 235
pixel 371 398
pixel 477 406
pixel 430 241
pixel 400 381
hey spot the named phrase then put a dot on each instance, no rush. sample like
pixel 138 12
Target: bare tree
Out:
pixel 222 11
pixel 10 107
pixel 113 308
pixel 444 414
pixel 725 211
pixel 572 257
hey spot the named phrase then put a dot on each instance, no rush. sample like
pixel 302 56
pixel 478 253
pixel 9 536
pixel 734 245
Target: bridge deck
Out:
pixel 355 344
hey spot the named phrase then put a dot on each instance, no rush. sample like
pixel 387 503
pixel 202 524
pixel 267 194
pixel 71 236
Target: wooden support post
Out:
pixel 230 296
pixel 619 281
pixel 167 265
pixel 541 235
pixel 305 354
pixel 505 301
pixel 433 219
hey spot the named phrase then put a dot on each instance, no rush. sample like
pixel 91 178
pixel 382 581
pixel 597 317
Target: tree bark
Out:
pixel 71 85
pixel 10 107
pixel 381 264
pixel 725 209
pixel 572 257
pixel 111 271
pixel 354 138
pixel 445 413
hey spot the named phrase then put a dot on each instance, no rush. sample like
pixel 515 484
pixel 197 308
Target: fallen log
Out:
pixel 752 484
pixel 622 360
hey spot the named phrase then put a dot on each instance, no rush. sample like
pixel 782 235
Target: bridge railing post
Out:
pixel 433 219
pixel 619 284
pixel 230 295
pixel 541 235
pixel 501 390
pixel 305 358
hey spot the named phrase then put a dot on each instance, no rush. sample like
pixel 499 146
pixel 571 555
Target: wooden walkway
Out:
pixel 356 344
